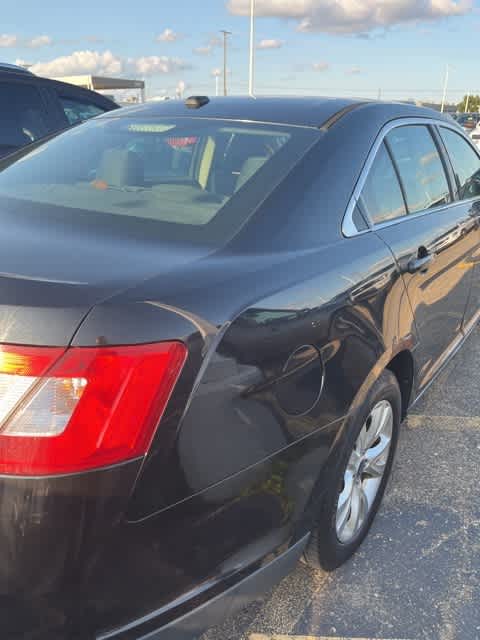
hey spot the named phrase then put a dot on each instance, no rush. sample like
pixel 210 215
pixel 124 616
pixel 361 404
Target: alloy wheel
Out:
pixel 364 473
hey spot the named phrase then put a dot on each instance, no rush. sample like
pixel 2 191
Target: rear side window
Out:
pixel 465 162
pixel 21 116
pixel 79 110
pixel 381 198
pixel 420 167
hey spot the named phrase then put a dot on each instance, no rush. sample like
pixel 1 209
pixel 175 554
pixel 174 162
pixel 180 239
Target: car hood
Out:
pixel 55 268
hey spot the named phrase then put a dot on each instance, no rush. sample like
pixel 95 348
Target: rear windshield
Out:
pixel 198 179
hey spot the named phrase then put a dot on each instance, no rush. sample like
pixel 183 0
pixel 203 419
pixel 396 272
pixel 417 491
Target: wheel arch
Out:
pixel 402 366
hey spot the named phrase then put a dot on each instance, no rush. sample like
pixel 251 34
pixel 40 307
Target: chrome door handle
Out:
pixel 420 265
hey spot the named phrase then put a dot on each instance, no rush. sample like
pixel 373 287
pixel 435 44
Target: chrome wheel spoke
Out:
pixel 379 420
pixel 376 458
pixel 344 503
pixel 362 441
pixel 359 508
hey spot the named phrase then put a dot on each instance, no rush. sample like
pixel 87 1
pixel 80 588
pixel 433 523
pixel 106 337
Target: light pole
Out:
pixel 225 37
pixel 467 102
pixel 251 75
pixel 445 86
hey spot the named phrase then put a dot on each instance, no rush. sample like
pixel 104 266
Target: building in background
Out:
pixel 104 83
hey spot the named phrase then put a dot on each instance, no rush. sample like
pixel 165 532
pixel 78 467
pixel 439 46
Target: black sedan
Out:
pixel 214 316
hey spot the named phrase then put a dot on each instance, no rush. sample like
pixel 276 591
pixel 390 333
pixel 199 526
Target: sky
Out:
pixel 398 49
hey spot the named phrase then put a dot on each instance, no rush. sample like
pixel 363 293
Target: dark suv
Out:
pixel 32 107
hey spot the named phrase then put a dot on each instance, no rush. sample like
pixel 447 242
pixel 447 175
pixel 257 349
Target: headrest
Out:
pixel 121 168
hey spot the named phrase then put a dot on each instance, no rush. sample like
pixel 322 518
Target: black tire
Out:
pixel 325 550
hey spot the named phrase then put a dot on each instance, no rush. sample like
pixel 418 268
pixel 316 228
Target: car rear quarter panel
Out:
pixel 354 314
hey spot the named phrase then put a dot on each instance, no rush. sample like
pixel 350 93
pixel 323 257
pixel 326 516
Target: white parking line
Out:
pixel 416 420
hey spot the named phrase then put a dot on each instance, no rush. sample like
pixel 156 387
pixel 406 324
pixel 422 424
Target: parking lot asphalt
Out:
pixel 417 575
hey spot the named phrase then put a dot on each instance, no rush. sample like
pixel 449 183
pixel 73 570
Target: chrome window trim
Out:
pixel 349 228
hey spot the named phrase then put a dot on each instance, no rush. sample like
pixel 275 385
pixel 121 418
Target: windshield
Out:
pixel 188 175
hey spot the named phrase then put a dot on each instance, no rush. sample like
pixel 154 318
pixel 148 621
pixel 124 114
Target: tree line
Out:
pixel 473 104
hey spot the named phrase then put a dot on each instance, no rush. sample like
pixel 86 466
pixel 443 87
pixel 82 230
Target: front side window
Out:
pixel 21 116
pixel 78 110
pixel 419 166
pixel 465 162
pixel 186 176
pixel 381 197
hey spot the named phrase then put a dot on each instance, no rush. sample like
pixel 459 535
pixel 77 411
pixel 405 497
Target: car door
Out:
pixel 465 161
pixel 430 236
pixel 23 117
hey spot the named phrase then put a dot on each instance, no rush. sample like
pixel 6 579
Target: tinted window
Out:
pixel 420 167
pixel 187 175
pixel 359 220
pixel 381 197
pixel 21 116
pixel 78 110
pixel 466 164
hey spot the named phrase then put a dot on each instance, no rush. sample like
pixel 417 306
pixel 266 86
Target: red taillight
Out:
pixel 64 411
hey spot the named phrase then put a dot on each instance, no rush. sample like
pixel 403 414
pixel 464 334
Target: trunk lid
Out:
pixel 55 266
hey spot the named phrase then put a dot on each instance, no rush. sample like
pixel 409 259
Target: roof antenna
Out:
pixel 196 102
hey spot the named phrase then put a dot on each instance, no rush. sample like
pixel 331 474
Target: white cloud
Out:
pixel 168 35
pixel 153 65
pixel 12 40
pixel 320 66
pixel 106 63
pixel 203 51
pixel 39 41
pixel 270 44
pixel 353 71
pixel 88 62
pixel 215 41
pixel 8 40
pixel 207 49
pixel 353 16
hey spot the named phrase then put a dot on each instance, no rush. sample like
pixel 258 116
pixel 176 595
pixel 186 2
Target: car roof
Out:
pixel 299 111
pixel 14 68
pixel 285 110
pixel 24 75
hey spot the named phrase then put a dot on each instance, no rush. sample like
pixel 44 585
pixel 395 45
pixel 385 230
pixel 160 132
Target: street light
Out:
pixel 225 36
pixel 445 86
pixel 216 73
pixel 251 75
